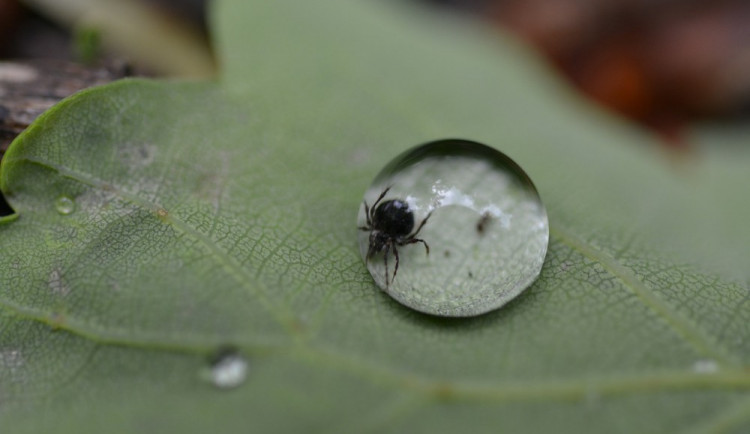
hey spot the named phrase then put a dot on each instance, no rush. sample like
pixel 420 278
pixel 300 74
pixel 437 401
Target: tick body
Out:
pixel 391 225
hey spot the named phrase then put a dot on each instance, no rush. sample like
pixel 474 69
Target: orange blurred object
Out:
pixel 664 64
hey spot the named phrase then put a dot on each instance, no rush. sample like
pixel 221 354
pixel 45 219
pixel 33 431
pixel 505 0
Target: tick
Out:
pixel 390 224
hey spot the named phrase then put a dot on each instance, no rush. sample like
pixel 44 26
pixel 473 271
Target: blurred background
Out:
pixel 663 64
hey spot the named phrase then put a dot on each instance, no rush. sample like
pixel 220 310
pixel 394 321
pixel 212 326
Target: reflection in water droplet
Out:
pixel 477 204
pixel 65 205
pixel 705 366
pixel 228 370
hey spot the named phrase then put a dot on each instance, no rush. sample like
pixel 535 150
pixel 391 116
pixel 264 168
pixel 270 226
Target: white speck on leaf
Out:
pixel 56 283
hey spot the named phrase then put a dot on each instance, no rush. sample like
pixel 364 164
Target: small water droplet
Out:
pixel 65 205
pixel 11 360
pixel 473 201
pixel 228 369
pixel 705 366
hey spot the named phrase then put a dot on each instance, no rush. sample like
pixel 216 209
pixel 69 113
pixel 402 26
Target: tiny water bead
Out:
pixel 228 369
pixel 471 206
pixel 65 205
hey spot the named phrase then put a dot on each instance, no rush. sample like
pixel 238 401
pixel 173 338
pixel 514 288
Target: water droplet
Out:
pixel 11 360
pixel 705 366
pixel 65 205
pixel 473 202
pixel 228 369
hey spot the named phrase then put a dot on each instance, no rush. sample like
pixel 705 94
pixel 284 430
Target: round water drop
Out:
pixel 65 205
pixel 228 370
pixel 453 228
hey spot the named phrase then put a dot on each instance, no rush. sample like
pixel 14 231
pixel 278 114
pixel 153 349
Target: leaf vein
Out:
pixel 241 275
pixel 705 345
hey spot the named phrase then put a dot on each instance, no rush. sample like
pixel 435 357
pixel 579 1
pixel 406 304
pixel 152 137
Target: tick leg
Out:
pixel 370 252
pixel 418 240
pixel 382 195
pixel 421 224
pixel 395 269
pixel 385 260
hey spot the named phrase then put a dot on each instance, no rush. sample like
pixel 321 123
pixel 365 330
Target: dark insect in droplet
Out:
pixel 390 224
pixel 483 222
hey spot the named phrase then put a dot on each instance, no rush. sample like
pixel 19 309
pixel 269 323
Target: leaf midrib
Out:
pixel 550 389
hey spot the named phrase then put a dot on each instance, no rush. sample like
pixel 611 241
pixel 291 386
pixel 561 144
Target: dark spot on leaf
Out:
pixel 5 208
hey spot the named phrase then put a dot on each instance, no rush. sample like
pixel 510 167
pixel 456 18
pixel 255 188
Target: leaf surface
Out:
pixel 215 214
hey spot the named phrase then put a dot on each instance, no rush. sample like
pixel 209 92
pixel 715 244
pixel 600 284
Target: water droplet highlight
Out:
pixel 460 197
pixel 705 366
pixel 228 369
pixel 65 205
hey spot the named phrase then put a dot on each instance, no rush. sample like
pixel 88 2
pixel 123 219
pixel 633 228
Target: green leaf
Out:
pixel 223 214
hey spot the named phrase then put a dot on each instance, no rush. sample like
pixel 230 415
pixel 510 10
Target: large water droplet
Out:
pixel 228 369
pixel 65 205
pixel 484 223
